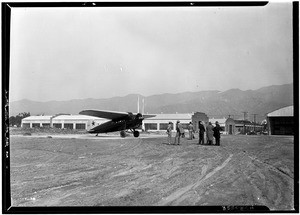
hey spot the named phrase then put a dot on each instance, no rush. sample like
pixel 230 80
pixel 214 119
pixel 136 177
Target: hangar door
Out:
pixel 282 125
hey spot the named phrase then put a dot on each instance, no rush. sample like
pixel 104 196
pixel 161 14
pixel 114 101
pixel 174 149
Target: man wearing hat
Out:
pixel 217 134
pixel 169 132
pixel 191 131
pixel 201 133
pixel 179 131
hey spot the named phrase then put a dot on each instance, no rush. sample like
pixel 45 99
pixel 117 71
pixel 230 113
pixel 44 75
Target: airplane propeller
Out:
pixel 139 116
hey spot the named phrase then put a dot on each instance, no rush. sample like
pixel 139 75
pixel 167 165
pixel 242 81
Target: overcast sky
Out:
pixel 73 53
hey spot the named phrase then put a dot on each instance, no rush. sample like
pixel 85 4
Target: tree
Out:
pixel 12 121
pixel 17 120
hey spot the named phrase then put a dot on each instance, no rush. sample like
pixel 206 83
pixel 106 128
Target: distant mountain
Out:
pixel 214 103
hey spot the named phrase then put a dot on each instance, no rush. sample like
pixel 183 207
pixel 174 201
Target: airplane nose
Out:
pixel 91 131
pixel 139 116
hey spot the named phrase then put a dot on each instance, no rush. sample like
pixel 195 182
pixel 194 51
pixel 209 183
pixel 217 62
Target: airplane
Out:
pixel 119 121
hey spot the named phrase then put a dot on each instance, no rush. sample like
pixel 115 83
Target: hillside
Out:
pixel 214 103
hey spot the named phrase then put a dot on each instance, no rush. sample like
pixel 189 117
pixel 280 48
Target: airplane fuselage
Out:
pixel 119 125
pixel 120 121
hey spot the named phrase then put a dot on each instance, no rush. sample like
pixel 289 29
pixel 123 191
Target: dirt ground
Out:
pixel 83 170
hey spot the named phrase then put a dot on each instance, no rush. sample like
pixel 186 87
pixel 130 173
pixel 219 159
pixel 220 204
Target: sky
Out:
pixel 76 53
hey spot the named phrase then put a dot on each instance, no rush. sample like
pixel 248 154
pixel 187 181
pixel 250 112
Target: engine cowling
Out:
pixel 139 116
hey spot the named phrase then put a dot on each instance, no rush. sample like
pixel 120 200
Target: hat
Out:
pixel 170 122
pixel 178 121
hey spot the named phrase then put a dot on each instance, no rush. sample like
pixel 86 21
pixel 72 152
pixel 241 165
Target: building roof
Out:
pixel 286 111
pixel 61 117
pixel 221 121
pixel 31 118
pixel 76 117
pixel 241 121
pixel 176 116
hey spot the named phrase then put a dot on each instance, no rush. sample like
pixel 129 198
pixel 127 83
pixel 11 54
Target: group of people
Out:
pixel 211 133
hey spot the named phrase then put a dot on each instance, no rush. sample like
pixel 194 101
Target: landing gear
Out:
pixel 122 134
pixel 136 133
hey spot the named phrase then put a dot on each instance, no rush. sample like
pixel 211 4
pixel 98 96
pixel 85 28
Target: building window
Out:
pixel 46 125
pixel 57 125
pixel 35 125
pixel 68 125
pixel 164 126
pixel 80 126
pixel 26 125
pixel 150 126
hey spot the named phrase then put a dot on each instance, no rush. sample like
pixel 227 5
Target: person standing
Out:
pixel 191 131
pixel 209 133
pixel 217 133
pixel 178 133
pixel 201 133
pixel 169 132
pixel 181 130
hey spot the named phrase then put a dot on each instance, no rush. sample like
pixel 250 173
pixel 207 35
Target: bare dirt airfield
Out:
pixel 83 170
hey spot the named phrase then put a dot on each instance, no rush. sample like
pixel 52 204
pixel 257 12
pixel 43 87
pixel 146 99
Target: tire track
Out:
pixel 178 193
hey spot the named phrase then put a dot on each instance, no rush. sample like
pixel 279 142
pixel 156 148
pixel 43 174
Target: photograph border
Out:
pixel 6 191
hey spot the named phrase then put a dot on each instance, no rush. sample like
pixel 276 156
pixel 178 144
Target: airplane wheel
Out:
pixel 123 134
pixel 136 133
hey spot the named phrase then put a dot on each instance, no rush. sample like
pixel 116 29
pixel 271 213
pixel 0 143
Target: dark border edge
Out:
pixel 296 101
pixel 6 192
pixel 6 18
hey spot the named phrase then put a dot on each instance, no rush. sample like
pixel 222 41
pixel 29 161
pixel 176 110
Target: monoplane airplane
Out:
pixel 119 121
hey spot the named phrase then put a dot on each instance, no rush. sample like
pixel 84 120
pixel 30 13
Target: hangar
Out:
pixel 157 123
pixel 161 121
pixel 67 121
pixel 281 121
pixel 63 121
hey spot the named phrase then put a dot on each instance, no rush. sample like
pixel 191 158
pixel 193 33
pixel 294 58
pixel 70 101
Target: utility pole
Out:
pixel 254 116
pixel 244 120
pixel 138 104
pixel 244 114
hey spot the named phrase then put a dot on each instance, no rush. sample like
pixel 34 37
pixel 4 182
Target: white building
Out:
pixel 62 121
pixel 161 121
pixel 36 121
pixel 157 123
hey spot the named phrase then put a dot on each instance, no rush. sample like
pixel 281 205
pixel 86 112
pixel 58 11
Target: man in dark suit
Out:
pixel 201 133
pixel 217 133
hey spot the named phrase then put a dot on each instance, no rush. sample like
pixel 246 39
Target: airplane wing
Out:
pixel 113 115
pixel 148 116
